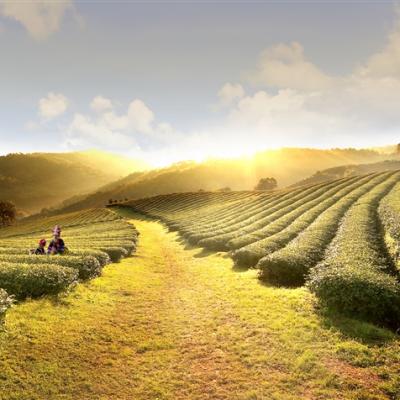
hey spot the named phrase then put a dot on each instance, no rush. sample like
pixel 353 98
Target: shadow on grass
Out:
pixel 61 299
pixel 204 253
pixel 239 268
pixel 181 240
pixel 362 331
pixel 133 255
pixel 351 328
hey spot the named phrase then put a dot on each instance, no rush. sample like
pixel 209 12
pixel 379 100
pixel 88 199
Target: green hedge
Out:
pixel 24 280
pixel 87 266
pixel 115 253
pixel 279 233
pixel 102 257
pixel 361 293
pixel 290 265
pixel 355 276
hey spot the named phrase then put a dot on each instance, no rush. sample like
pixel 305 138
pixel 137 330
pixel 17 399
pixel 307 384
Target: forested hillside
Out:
pixel 39 180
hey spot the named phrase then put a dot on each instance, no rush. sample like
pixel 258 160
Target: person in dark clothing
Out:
pixel 57 245
pixel 41 248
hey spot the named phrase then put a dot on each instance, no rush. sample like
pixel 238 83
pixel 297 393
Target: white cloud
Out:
pixel 285 66
pixel 106 128
pixel 140 116
pixel 385 63
pixel 101 104
pixel 53 105
pixel 40 18
pixel 114 121
pixel 229 93
pixel 85 131
pixel 303 105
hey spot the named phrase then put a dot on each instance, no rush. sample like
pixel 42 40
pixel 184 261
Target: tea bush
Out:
pixel 33 280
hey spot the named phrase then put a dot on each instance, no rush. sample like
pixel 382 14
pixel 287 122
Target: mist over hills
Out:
pixel 39 180
pixel 287 165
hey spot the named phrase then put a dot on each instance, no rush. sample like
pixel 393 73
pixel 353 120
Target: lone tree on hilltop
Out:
pixel 8 213
pixel 225 189
pixel 266 184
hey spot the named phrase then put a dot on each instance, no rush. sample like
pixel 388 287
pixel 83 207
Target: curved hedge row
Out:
pixel 34 280
pixel 359 292
pixel 389 213
pixel 102 257
pixel 354 277
pixel 290 265
pixel 115 253
pixel 249 222
pixel 278 234
pixel 87 266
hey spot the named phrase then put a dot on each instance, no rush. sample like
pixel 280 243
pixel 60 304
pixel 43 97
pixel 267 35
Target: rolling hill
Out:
pixel 288 166
pixel 38 180
pixel 348 170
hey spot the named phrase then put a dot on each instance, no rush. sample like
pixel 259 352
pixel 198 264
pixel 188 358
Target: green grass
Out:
pixel 171 323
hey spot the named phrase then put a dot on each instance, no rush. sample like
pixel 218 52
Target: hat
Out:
pixel 42 242
pixel 57 230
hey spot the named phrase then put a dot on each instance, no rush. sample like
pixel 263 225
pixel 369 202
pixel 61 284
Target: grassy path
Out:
pixel 172 323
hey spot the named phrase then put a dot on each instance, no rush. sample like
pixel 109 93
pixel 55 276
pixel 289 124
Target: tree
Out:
pixel 110 201
pixel 225 189
pixel 266 184
pixel 398 148
pixel 8 213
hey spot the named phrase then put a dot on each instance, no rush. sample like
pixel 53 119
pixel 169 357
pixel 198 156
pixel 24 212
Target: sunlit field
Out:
pixel 176 323
pixel 199 200
pixel 336 237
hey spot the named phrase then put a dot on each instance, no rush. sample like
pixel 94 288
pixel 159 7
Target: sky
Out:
pixel 174 80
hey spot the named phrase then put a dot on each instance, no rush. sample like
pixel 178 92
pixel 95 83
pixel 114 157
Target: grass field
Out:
pixel 175 323
pixel 339 238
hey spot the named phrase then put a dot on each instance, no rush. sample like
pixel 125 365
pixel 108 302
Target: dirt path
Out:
pixel 172 323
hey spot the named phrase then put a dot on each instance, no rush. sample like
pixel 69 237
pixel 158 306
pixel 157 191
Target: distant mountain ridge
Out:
pixel 288 166
pixel 39 180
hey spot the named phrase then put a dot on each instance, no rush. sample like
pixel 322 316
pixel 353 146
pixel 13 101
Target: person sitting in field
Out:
pixel 41 248
pixel 57 245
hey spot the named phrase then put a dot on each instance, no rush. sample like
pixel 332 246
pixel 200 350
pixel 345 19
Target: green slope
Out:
pixel 287 165
pixel 38 180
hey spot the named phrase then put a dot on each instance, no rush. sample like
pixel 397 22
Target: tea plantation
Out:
pixel 340 238
pixel 94 238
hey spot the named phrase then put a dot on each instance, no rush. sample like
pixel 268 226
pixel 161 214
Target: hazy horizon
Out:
pixel 169 81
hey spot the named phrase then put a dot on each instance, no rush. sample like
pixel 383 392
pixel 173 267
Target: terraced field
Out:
pixel 341 238
pixel 94 238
